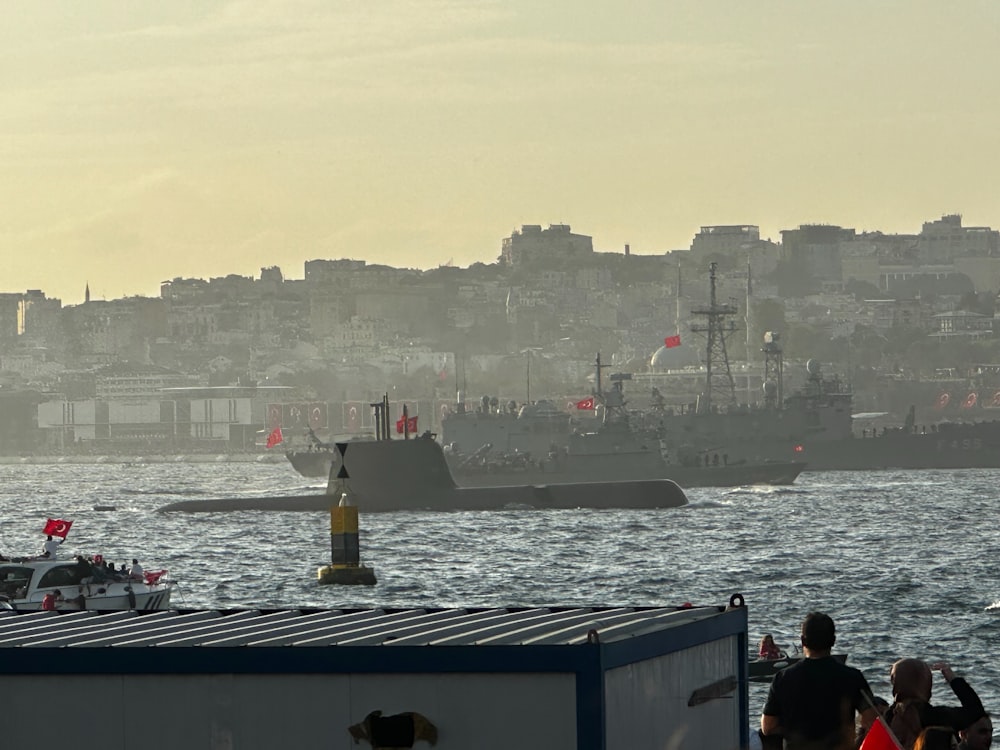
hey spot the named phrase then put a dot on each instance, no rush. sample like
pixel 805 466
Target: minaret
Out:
pixel 86 293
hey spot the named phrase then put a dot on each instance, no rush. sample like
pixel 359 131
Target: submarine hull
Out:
pixel 397 475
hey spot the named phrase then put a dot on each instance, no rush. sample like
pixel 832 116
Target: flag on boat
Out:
pixel 587 403
pixel 57 527
pixel 671 341
pixel 880 737
pixel 407 424
pixel 153 576
pixel 275 437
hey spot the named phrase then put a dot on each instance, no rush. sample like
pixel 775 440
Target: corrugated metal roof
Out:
pixel 318 628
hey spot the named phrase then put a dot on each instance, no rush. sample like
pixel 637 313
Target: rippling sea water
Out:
pixel 905 562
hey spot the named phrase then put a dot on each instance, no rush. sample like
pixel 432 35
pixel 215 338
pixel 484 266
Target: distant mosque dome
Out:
pixel 673 358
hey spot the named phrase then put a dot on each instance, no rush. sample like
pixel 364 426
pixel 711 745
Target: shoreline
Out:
pixel 160 458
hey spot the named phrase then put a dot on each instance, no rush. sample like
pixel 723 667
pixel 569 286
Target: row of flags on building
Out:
pixel 970 401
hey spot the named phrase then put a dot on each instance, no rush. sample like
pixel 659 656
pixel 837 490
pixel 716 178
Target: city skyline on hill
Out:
pixel 195 141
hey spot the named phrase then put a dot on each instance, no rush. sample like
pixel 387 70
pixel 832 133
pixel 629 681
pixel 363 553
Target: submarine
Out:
pixel 412 474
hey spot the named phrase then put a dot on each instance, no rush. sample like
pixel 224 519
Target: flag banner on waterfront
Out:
pixel 318 419
pixel 57 527
pixel 152 576
pixel 880 737
pixel 275 437
pixel 587 403
pixel 353 416
pixel 671 341
pixel 410 425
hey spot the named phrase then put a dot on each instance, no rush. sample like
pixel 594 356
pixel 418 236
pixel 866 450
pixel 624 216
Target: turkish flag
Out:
pixel 275 437
pixel 317 415
pixel 57 527
pixel 352 416
pixel 410 425
pixel 587 403
pixel 880 737
pixel 671 341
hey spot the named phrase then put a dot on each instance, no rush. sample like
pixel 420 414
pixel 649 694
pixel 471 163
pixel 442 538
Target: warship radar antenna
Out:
pixel 598 367
pixel 718 325
pixel 774 371
pixel 614 400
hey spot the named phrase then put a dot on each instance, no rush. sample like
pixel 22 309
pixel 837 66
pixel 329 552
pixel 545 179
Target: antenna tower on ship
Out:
pixel 719 384
pixel 598 366
pixel 613 399
pixel 774 371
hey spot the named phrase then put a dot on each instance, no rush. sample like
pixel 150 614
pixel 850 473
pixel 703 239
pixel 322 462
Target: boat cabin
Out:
pixel 19 579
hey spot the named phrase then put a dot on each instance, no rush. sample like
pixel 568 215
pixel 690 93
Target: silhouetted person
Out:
pixel 978 736
pixel 911 712
pixel 812 704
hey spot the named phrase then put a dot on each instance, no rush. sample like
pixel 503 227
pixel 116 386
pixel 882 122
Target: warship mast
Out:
pixel 719 384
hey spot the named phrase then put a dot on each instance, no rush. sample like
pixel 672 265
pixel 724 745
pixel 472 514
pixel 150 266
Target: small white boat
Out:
pixel 24 584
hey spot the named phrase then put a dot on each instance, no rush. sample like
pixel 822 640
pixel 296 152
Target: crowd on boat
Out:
pixel 820 703
pixel 93 567
pixel 44 581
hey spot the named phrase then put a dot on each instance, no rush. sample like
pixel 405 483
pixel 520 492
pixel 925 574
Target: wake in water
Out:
pixel 762 490
pixel 161 492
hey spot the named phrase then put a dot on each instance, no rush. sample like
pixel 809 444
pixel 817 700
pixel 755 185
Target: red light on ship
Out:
pixel 799 448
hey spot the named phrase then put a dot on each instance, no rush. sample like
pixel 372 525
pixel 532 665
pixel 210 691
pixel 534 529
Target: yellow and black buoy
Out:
pixel 346 567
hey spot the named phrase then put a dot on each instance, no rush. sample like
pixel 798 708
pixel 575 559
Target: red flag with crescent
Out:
pixel 57 527
pixel 352 416
pixel 318 415
pixel 153 576
pixel 410 425
pixel 587 403
pixel 671 341
pixel 275 437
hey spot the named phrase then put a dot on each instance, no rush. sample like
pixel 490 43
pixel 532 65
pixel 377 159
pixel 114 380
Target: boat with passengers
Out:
pixel 79 584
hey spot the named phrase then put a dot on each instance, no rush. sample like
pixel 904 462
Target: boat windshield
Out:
pixel 14 580
pixel 62 575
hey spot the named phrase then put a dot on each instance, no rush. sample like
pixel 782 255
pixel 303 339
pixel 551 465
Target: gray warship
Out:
pixel 538 445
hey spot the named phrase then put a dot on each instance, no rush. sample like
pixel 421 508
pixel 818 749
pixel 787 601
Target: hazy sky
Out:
pixel 146 141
